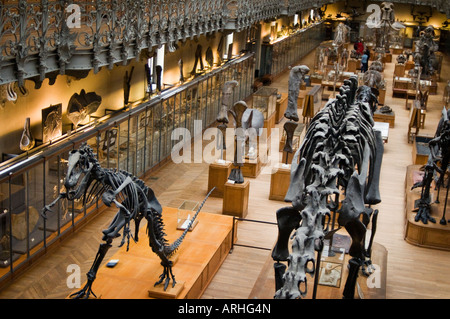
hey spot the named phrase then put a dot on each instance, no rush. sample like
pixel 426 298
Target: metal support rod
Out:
pixel 317 272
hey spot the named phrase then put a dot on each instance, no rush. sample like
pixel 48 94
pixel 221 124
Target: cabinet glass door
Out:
pixel 157 133
pixel 146 121
pixel 124 151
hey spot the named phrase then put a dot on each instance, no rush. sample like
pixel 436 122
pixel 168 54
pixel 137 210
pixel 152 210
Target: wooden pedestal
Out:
pixel 235 199
pixel 279 182
pixel 353 65
pixel 269 124
pixel 200 255
pixel 281 107
pixel 399 70
pixel 251 168
pixel 385 117
pixel 217 177
pixel 287 157
pixel 430 235
pixel 158 292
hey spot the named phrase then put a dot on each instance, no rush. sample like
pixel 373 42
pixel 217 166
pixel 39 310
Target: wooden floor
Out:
pixel 412 272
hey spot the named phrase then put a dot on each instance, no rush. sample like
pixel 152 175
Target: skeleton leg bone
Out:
pixel 86 291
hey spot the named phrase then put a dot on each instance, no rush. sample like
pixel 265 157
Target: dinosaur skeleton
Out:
pixel 86 179
pixel 438 162
pixel 340 149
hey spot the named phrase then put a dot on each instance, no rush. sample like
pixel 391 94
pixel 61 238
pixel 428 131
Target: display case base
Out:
pixel 430 235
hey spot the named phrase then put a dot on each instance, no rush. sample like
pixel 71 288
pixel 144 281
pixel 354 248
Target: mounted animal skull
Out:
pixel 78 177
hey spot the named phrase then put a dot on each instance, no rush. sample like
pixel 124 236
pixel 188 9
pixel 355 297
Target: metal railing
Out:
pixel 141 140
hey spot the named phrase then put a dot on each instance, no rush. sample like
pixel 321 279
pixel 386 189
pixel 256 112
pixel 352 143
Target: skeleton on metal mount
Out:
pixel 438 162
pixel 386 24
pixel 86 179
pixel 340 149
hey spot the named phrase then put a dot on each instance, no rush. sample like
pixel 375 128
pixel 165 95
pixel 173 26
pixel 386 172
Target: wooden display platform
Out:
pixel 265 284
pixel 431 235
pixel 235 199
pixel 385 117
pixel 200 255
pixel 279 182
pixel 281 107
pixel 217 177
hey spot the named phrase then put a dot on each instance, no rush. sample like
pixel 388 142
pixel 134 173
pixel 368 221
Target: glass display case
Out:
pixel 265 100
pixel 135 140
pixel 185 214
pixel 285 51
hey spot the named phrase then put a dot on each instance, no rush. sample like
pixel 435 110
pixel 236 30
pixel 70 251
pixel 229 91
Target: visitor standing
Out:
pixel 365 62
pixel 360 48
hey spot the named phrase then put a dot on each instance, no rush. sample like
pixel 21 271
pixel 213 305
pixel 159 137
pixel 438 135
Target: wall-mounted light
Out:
pixel 228 46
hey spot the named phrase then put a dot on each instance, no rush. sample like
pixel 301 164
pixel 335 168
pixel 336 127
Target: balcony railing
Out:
pixel 44 38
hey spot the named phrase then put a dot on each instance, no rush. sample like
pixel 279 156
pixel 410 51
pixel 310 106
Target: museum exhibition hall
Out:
pixel 221 149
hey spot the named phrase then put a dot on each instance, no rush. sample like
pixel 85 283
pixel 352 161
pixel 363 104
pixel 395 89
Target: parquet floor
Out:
pixel 412 272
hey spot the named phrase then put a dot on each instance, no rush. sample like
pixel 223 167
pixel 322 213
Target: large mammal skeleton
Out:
pixel 435 169
pixel 340 149
pixel 86 179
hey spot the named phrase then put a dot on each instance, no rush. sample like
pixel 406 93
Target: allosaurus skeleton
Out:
pixel 86 179
pixel 340 149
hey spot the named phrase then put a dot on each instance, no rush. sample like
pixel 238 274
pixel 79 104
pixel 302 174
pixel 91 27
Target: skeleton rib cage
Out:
pixel 339 146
